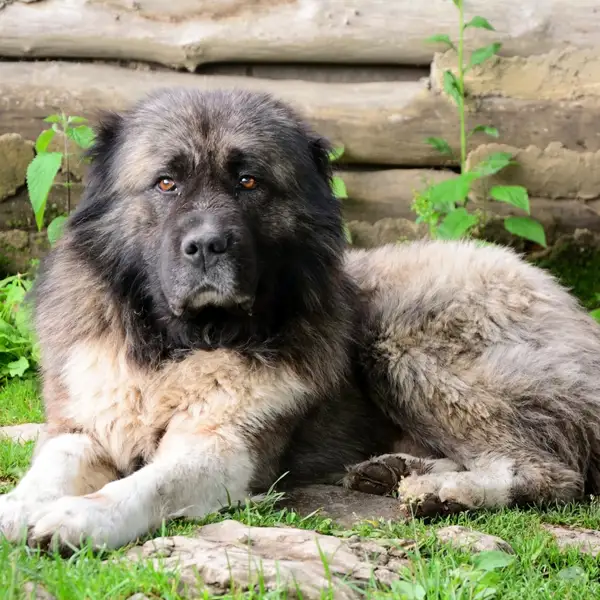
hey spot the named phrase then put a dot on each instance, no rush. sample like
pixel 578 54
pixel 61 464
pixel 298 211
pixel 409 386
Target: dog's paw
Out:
pixel 432 496
pixel 71 521
pixel 379 475
pixel 15 512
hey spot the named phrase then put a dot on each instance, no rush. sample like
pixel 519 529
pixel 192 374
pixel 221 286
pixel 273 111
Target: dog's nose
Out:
pixel 204 245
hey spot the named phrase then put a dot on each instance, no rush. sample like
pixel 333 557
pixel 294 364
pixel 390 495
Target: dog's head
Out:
pixel 209 199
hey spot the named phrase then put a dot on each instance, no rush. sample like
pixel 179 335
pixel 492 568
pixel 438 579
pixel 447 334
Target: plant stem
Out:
pixel 66 146
pixel 461 83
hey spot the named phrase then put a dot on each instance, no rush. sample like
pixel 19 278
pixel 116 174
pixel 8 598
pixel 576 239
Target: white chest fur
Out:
pixel 126 408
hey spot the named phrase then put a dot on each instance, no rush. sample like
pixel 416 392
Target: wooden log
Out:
pixel 381 123
pixel 187 33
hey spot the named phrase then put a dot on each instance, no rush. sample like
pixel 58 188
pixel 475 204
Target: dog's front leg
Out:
pixel 190 475
pixel 65 464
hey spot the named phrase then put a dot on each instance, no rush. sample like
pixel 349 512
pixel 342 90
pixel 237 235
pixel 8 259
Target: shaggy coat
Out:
pixel 203 329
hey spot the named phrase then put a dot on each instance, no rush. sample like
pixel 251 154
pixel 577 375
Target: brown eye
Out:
pixel 166 184
pixel 248 182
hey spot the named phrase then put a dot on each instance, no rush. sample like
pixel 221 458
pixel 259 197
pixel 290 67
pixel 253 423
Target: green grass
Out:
pixel 540 570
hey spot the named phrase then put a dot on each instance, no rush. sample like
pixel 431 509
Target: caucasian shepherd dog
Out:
pixel 204 329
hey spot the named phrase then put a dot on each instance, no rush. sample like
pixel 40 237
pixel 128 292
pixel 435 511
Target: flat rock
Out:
pixel 345 507
pixel 463 538
pixel 230 553
pixel 26 432
pixel 586 540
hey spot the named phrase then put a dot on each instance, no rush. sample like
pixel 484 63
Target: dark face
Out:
pixel 223 196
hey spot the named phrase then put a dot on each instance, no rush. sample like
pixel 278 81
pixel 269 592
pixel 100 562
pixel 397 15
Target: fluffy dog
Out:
pixel 204 329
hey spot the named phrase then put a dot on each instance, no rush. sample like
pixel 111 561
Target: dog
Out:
pixel 204 328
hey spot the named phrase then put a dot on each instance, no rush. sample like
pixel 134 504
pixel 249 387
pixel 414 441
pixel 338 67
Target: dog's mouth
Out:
pixel 209 295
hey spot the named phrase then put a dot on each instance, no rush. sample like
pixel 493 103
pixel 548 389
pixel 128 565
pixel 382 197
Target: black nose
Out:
pixel 203 245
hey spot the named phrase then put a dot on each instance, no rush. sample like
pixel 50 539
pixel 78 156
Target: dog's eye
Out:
pixel 166 184
pixel 248 182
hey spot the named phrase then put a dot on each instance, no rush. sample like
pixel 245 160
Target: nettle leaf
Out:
pixel 75 119
pixel 482 54
pixel 441 38
pixel 53 119
pixel 18 367
pixel 456 224
pixel 440 144
pixel 44 139
pixel 527 228
pixel 82 135
pixel 336 153
pixel 479 23
pixel 40 176
pixel 493 163
pixel 487 129
pixel 446 194
pixel 491 560
pixel 515 195
pixel 452 87
pixel 55 229
pixel 338 187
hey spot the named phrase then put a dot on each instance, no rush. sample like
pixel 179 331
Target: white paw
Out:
pixel 73 520
pixel 415 488
pixel 15 511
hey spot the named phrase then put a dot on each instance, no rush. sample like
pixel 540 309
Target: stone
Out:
pixel 15 155
pixel 26 432
pixel 463 538
pixel 385 231
pixel 344 507
pixel 35 591
pixel 280 558
pixel 586 540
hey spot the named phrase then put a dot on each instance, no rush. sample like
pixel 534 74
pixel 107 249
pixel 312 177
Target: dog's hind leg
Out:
pixel 381 475
pixel 492 482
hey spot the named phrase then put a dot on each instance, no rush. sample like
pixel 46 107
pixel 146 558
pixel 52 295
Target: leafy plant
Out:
pixel 338 186
pixel 43 169
pixel 443 206
pixel 18 352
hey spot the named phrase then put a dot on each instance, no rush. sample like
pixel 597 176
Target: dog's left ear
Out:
pixel 320 149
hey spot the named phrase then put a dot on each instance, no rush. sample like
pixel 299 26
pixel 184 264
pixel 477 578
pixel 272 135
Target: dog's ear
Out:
pixel 320 149
pixel 106 133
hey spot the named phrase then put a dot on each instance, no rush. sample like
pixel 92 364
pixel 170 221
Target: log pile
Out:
pixel 359 70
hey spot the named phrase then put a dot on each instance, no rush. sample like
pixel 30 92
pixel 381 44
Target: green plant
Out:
pixel 338 186
pixel 44 167
pixel 18 352
pixel 443 206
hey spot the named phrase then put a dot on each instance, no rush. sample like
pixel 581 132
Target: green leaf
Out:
pixel 491 560
pixel 493 163
pixel 55 229
pixel 441 38
pixel 336 153
pixel 40 176
pixel 515 195
pixel 482 54
pixel 43 140
pixel 18 367
pixel 574 574
pixel 76 120
pixel 407 590
pixel 452 87
pixel 487 129
pixel 53 119
pixel 595 314
pixel 456 224
pixel 479 23
pixel 83 135
pixel 527 228
pixel 347 233
pixel 338 187
pixel 444 195
pixel 441 145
